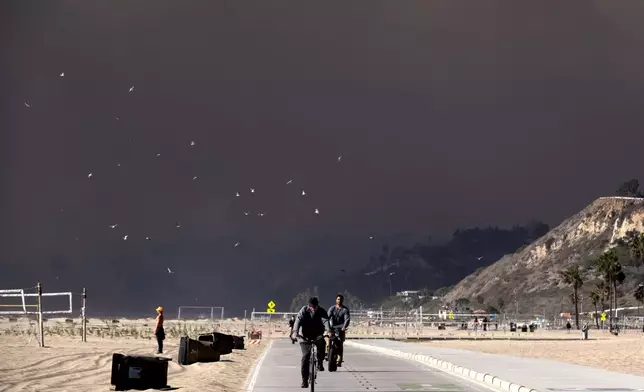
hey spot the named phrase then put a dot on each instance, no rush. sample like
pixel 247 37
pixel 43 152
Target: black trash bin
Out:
pixel 139 372
pixel 220 341
pixel 193 351
pixel 524 328
pixel 532 327
pixel 238 342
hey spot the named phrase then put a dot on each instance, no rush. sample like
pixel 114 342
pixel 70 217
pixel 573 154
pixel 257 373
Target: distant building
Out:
pixel 408 293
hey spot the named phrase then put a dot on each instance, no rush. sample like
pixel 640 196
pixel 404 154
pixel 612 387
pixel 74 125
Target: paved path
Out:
pixel 540 374
pixel 363 371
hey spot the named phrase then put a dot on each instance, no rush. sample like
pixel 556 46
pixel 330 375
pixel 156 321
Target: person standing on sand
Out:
pixel 158 330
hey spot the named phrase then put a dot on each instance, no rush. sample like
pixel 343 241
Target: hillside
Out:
pixel 532 275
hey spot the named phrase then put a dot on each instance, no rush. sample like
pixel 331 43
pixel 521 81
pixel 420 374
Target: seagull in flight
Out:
pixel 131 88
pixel 252 190
pixel 340 158
pixel 303 193
pixel 237 194
pixel 114 226
pixel 62 74
pixel 90 175
pixel 125 237
pixel 289 182
pixel 479 258
pixel 27 105
pixel 317 212
pixel 236 244
pixel 170 271
pixel 192 143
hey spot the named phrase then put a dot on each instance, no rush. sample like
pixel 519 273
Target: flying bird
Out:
pixel 479 258
pixel 303 193
pixel 27 105
pixel 170 271
pixel 317 212
pixel 114 226
pixel 340 158
pixel 62 74
pixel 194 178
pixel 288 182
pixel 252 190
pixel 177 225
pixel 147 238
pixel 125 237
pixel 131 88
pixel 236 244
pixel 237 194
pixel 90 175
pixel 246 213
pixel 192 143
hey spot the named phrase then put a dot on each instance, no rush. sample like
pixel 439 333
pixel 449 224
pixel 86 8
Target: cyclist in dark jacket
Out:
pixel 313 320
pixel 339 319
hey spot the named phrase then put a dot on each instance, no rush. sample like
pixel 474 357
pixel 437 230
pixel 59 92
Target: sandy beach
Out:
pixel 624 353
pixel 68 364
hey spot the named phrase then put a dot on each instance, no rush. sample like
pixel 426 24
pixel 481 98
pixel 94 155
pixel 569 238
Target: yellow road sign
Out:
pixel 451 315
pixel 603 316
pixel 269 310
pixel 271 305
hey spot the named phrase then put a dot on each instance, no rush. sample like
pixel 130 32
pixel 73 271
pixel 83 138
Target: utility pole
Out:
pixel 84 315
pixel 40 320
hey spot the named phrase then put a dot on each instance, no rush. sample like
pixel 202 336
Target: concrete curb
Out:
pixel 448 367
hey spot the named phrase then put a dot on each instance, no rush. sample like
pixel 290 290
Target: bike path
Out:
pixel 362 371
pixel 540 374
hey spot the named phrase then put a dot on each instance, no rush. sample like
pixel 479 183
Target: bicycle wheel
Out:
pixel 333 358
pixel 314 368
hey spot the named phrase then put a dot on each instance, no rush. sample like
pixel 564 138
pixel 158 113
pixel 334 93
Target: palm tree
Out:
pixel 572 277
pixel 635 243
pixel 639 297
pixel 603 292
pixel 608 265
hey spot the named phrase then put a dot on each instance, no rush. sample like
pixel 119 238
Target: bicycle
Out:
pixel 313 360
pixel 335 347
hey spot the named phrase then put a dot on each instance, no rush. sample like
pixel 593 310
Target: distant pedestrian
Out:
pixel 568 326
pixel 158 330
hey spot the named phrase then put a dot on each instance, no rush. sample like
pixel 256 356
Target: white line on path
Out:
pixel 252 378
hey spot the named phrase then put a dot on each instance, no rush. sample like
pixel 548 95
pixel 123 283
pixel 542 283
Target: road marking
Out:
pixel 253 376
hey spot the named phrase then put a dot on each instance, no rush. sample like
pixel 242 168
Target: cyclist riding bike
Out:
pixel 313 320
pixel 339 318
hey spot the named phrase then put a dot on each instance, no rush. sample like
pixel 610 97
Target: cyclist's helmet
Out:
pixel 313 301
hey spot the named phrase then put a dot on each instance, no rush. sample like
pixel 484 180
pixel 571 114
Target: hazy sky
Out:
pixel 446 114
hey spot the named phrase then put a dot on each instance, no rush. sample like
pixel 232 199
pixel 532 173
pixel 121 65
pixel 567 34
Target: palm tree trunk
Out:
pixel 576 308
pixel 596 318
pixel 615 299
pixel 610 306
